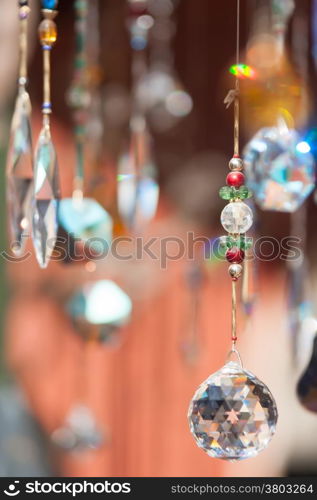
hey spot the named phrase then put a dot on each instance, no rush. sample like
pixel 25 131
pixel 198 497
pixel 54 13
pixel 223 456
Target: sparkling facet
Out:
pixel 236 217
pixel 46 195
pixel 20 173
pixel 280 175
pixel 88 221
pixel 138 189
pixel 233 414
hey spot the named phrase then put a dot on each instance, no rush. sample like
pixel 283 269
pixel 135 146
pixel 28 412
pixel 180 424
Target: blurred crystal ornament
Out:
pixel 281 175
pixel 307 385
pixel 99 309
pixel 163 97
pixel 20 173
pixel 282 11
pixel 87 220
pixel 46 195
pixel 139 23
pixel 138 189
pixel 232 415
pixel 153 88
pixel 80 431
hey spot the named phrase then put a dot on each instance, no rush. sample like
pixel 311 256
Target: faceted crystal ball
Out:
pixel 279 171
pixel 236 217
pixel 233 414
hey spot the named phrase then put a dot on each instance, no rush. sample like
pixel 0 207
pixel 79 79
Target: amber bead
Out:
pixel 47 32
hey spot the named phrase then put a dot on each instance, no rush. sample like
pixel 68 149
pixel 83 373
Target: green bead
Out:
pixel 244 243
pixel 244 193
pixel 241 242
pixel 225 193
pixel 231 193
pixel 227 242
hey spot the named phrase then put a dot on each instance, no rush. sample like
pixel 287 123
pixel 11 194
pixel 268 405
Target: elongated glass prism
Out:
pixel 19 173
pixel 46 196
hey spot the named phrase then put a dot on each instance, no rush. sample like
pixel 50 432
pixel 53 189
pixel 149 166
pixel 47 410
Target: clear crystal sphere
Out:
pixel 280 169
pixel 236 217
pixel 232 415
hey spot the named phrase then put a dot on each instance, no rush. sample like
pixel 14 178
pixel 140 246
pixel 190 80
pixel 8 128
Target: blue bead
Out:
pixel 49 4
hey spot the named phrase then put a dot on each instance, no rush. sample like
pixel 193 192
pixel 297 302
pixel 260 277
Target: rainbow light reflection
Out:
pixel 242 71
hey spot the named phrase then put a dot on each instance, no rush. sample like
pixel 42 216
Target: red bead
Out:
pixel 234 255
pixel 235 179
pixel 234 339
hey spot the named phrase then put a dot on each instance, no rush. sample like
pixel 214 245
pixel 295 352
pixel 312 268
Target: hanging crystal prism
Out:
pixel 138 189
pixel 232 415
pixel 46 195
pixel 19 173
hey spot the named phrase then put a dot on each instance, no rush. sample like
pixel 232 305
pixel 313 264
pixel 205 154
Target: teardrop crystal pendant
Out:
pixel 232 415
pixel 19 173
pixel 46 195
pixel 307 385
pixel 138 189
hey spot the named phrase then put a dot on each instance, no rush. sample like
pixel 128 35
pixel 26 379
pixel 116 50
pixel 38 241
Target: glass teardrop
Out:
pixel 46 196
pixel 19 173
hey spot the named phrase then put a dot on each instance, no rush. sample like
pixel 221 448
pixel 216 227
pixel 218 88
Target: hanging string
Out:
pixel 236 153
pixel 79 96
pixel 47 77
pixel 237 89
pixel 24 12
pixel 234 315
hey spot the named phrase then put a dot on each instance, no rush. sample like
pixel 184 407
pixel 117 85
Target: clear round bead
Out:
pixel 232 415
pixel 236 217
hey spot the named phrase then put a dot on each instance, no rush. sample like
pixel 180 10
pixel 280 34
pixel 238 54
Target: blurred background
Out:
pixel 101 356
